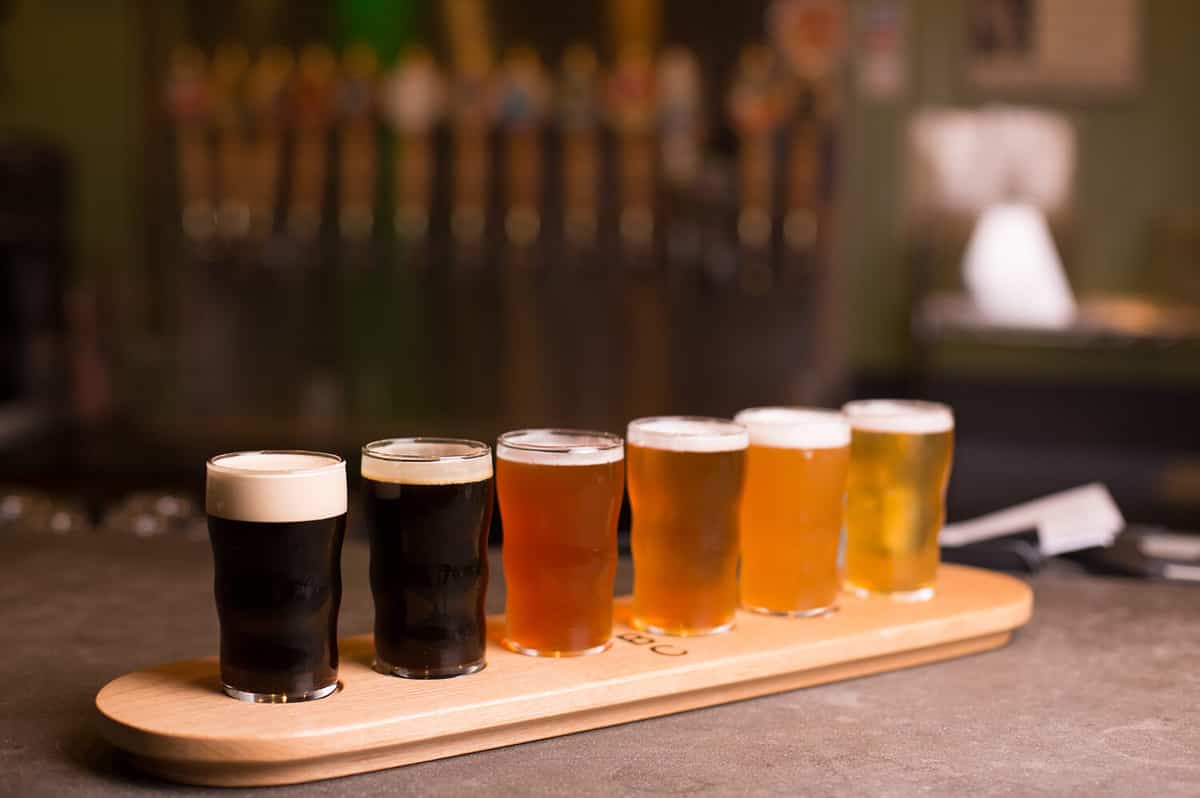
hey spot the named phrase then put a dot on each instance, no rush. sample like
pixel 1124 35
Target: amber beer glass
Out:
pixel 900 454
pixel 791 519
pixel 685 488
pixel 276 520
pixel 560 494
pixel 429 507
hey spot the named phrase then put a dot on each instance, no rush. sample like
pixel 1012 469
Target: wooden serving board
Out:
pixel 174 721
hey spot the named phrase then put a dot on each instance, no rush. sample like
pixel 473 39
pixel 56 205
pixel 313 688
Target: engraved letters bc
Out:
pixel 663 649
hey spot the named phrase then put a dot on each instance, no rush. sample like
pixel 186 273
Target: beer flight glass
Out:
pixel 773 489
pixel 560 493
pixel 276 521
pixel 429 508
pixel 900 455
pixel 791 516
pixel 685 489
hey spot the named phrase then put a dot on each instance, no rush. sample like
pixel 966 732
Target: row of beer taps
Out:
pixel 264 143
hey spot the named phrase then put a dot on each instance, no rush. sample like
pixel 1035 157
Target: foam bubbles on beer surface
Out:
pixel 417 461
pixel 687 434
pixel 559 447
pixel 899 416
pixel 795 428
pixel 276 487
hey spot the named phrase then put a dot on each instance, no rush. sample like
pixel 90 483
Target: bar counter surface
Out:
pixel 1097 695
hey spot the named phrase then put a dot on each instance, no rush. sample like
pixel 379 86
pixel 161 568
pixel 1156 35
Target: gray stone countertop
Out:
pixel 1099 695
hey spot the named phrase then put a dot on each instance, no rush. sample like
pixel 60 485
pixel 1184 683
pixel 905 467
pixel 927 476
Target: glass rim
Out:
pixel 796 427
pixel 798 416
pixel 899 416
pixel 611 441
pixel 901 405
pixel 335 460
pixel 708 434
pixel 727 426
pixel 476 450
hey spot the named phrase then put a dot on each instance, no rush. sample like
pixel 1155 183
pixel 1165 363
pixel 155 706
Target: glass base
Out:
pixel 280 698
pixel 513 645
pixel 920 594
pixel 448 672
pixel 828 609
pixel 641 626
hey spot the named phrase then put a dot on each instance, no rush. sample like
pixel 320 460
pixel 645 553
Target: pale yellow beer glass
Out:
pixel 900 455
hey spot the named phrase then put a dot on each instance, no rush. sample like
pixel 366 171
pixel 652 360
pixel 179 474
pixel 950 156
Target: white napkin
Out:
pixel 1075 519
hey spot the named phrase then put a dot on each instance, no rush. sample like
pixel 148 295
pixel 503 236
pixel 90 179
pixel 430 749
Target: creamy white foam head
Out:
pixel 899 416
pixel 687 434
pixel 276 487
pixel 427 461
pixel 559 447
pixel 795 428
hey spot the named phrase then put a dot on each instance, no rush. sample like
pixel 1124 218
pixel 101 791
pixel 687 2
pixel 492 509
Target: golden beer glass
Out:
pixel 900 455
pixel 791 517
pixel 685 487
pixel 560 494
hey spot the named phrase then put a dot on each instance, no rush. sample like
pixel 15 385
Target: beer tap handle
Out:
pixel 631 97
pixel 312 110
pixel 267 99
pixel 413 100
pixel 357 144
pixel 801 221
pixel 811 39
pixel 681 136
pixel 469 32
pixel 578 119
pixel 756 107
pixel 189 105
pixel 680 116
pixel 229 67
pixel 471 115
pixel 522 101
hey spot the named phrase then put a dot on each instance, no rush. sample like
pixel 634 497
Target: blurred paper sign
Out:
pixel 1054 45
pixel 883 50
pixel 1080 518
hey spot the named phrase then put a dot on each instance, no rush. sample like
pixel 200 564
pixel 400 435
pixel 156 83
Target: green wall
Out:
pixel 71 73
pixel 1138 157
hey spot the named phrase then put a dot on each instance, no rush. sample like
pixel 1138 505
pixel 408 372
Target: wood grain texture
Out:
pixel 175 722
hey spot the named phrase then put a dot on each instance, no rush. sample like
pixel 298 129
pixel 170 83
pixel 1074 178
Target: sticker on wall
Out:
pixel 883 54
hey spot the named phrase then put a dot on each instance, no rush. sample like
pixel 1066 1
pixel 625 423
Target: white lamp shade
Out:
pixel 1013 272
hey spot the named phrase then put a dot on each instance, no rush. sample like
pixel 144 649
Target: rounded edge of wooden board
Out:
pixel 197 758
pixel 350 763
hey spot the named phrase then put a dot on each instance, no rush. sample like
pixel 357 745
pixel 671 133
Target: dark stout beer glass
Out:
pixel 429 501
pixel 276 520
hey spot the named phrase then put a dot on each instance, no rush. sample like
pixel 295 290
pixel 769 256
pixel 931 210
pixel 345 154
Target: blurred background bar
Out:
pixel 251 223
